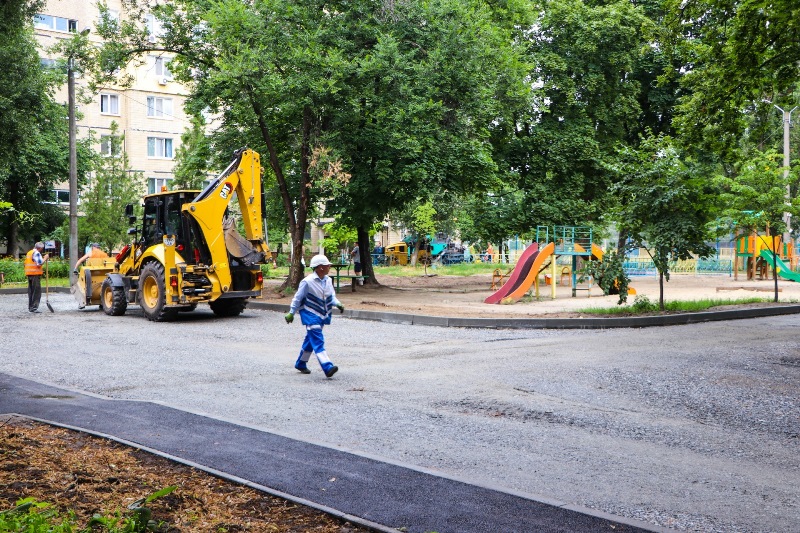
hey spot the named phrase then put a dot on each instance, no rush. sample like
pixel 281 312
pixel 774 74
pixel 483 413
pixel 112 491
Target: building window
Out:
pixel 109 104
pixel 161 67
pixel 110 145
pixel 154 28
pixel 56 196
pixel 154 184
pixel 160 147
pixel 49 22
pixel 159 107
pixel 112 14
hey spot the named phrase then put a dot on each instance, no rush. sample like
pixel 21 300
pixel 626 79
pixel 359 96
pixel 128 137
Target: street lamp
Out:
pixel 73 164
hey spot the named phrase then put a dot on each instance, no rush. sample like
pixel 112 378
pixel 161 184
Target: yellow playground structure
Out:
pixel 756 253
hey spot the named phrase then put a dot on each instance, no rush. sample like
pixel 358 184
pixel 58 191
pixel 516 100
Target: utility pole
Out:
pixel 787 120
pixel 73 171
pixel 73 165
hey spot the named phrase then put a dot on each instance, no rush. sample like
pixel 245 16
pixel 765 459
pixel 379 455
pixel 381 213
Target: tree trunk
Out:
pixel 366 257
pixel 13 238
pixel 621 240
pixel 660 290
pixel 296 215
pixel 415 255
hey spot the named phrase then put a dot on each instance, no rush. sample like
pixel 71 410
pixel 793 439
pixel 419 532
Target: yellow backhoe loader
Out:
pixel 187 251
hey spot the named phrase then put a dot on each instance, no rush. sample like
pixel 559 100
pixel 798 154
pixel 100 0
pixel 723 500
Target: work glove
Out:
pixel 341 308
pixel 75 271
pixel 289 318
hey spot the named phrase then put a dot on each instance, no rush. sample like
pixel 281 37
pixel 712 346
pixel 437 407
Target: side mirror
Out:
pixel 129 210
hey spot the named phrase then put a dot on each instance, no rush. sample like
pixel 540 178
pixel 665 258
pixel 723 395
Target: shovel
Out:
pixel 47 285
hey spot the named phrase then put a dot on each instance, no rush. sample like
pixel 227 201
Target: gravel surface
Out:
pixel 688 427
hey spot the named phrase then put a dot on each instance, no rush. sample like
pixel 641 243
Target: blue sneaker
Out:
pixel 301 366
pixel 330 369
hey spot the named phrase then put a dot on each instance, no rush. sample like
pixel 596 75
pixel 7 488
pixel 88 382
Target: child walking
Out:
pixel 315 298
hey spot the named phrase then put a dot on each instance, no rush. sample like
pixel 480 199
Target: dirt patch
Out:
pixel 89 475
pixel 463 296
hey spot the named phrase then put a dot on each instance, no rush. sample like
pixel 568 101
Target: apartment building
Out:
pixel 149 113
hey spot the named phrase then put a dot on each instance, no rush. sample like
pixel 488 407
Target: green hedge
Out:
pixel 15 270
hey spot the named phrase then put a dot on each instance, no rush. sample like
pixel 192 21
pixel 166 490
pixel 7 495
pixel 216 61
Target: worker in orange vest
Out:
pixel 94 253
pixel 33 270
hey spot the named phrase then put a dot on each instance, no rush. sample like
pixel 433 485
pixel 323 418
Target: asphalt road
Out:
pixel 691 427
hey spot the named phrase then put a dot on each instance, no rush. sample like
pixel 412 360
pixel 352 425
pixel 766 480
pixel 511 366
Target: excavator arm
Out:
pixel 242 177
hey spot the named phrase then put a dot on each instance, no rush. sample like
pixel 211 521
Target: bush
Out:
pixel 14 271
pixel 609 274
pixel 642 304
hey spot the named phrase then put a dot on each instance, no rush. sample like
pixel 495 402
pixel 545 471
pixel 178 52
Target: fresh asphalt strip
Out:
pixel 379 495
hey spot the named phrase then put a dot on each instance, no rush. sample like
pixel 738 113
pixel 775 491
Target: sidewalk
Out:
pixel 376 494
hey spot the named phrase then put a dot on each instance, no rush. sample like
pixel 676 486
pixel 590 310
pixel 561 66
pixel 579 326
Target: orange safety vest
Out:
pixel 31 268
pixel 97 253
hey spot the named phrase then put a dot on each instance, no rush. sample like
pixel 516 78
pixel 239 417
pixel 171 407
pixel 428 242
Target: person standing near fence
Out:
pixel 356 255
pixel 315 299
pixel 33 271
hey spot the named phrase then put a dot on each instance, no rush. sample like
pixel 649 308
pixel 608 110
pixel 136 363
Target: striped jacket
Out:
pixel 315 299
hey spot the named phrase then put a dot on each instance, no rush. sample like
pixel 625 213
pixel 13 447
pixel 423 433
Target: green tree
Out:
pixel 400 92
pixel 755 196
pixel 429 79
pixel 739 53
pixel 193 157
pixel 665 204
pixel 586 102
pixel 33 131
pixel 494 217
pixel 108 192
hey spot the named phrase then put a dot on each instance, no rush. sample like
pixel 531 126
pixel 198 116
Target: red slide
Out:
pixel 517 276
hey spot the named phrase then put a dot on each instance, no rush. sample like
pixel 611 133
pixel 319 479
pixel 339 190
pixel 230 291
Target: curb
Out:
pixel 24 290
pixel 528 323
pixel 554 323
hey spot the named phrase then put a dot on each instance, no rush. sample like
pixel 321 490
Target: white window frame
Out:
pixel 160 148
pixel 109 98
pixel 159 107
pixel 154 184
pixel 154 28
pixel 55 198
pixel 42 21
pixel 161 67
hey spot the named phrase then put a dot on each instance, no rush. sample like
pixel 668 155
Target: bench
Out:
pixel 353 280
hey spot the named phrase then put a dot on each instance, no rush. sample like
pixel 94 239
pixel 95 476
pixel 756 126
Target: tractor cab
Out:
pixel 162 216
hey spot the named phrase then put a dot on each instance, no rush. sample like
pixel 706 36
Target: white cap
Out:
pixel 319 260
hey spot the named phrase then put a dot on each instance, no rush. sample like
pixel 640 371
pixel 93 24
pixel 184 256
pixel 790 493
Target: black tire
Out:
pixel 112 299
pixel 228 306
pixel 152 293
pixel 187 309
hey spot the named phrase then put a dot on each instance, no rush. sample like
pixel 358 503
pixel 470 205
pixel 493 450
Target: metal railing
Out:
pixel 646 267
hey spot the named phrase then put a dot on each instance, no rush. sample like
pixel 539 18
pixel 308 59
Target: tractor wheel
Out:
pixel 152 293
pixel 112 299
pixel 228 306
